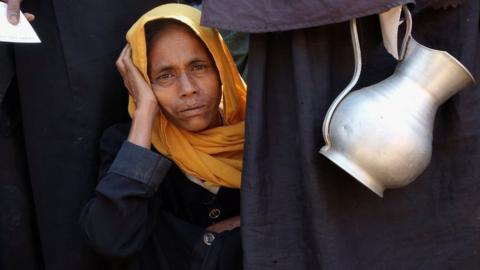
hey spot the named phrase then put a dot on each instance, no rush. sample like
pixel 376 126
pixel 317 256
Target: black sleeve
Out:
pixel 119 219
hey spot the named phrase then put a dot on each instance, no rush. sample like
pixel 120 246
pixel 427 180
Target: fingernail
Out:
pixel 13 19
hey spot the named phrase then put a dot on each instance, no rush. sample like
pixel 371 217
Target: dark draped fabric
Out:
pixel 300 211
pixel 279 15
pixel 68 92
pixel 6 69
pixel 18 237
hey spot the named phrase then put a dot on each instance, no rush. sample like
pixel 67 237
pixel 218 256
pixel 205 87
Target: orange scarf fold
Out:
pixel 214 155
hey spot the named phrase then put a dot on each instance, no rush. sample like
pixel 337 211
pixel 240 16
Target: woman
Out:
pixel 174 205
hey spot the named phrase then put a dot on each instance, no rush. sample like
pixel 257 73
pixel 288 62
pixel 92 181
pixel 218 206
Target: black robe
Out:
pixel 18 238
pixel 299 210
pixel 68 92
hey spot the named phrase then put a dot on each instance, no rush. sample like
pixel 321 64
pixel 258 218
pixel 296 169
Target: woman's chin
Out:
pixel 195 125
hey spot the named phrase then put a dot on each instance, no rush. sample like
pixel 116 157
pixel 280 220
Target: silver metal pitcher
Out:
pixel 382 134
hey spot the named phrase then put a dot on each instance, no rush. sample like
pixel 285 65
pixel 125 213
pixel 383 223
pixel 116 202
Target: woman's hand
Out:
pixel 146 104
pixel 133 80
pixel 225 225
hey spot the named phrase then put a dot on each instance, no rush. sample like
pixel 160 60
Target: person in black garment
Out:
pixel 174 205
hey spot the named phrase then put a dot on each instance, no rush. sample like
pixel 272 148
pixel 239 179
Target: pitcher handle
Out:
pixel 358 68
pixel 356 75
pixel 408 32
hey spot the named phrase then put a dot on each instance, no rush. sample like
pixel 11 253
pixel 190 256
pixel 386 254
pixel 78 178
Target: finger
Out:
pixel 128 57
pixel 122 53
pixel 130 67
pixel 123 73
pixel 120 65
pixel 30 17
pixel 127 81
pixel 121 69
pixel 13 11
pixel 124 60
pixel 120 56
pixel 129 85
pixel 124 50
pixel 130 90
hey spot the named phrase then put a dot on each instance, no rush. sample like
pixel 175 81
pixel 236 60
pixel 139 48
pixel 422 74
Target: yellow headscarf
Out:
pixel 214 155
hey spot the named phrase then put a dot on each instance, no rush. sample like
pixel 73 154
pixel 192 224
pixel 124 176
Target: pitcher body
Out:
pixel 382 134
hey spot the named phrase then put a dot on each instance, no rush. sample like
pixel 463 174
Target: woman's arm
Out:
pixel 119 219
pixel 146 104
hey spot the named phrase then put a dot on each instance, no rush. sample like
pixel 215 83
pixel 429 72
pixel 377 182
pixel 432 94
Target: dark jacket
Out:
pixel 147 215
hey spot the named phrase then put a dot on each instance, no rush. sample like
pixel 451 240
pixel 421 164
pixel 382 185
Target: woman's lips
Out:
pixel 193 111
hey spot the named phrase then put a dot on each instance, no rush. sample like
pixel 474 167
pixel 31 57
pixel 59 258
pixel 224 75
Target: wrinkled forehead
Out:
pixel 162 28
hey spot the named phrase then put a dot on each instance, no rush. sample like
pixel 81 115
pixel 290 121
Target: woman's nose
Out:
pixel 187 85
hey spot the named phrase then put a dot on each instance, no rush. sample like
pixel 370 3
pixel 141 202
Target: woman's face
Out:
pixel 184 79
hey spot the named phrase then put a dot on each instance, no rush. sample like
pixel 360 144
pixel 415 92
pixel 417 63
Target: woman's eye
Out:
pixel 199 67
pixel 165 76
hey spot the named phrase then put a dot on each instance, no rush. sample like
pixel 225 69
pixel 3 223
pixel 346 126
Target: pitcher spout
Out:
pixel 438 72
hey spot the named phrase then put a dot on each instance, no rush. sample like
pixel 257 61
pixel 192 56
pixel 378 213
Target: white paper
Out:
pixel 389 22
pixel 20 33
